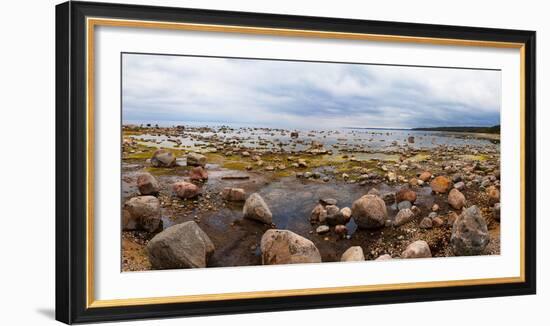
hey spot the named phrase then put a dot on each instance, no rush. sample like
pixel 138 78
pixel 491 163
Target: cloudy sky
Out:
pixel 305 94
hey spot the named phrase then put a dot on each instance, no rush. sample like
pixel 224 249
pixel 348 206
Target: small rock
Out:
pixel 328 201
pixel 369 212
pixel 403 216
pixel 233 194
pixel 147 184
pixel 196 159
pixel 440 184
pixel 316 212
pixel 286 247
pixel 354 253
pixel 456 199
pixel 322 229
pixel 417 249
pixel 494 195
pixel 404 205
pixel 425 176
pixel 384 257
pixel 341 230
pixel 163 158
pixel 143 214
pixel 255 208
pixel 185 190
pixel 198 173
pixel 405 195
pixel 437 222
pixel 426 223
pixel 459 185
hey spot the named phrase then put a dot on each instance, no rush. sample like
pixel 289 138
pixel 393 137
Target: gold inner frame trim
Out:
pixel 92 22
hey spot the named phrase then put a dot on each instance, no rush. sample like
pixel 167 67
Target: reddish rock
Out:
pixel 437 222
pixel 425 176
pixel 441 184
pixel 494 195
pixel 185 190
pixel 147 184
pixel 198 173
pixel 341 230
pixel 405 195
pixel 456 199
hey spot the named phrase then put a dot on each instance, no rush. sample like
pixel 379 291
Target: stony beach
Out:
pixel 217 196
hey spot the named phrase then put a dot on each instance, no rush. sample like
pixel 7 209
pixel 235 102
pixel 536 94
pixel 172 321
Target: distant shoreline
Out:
pixel 482 130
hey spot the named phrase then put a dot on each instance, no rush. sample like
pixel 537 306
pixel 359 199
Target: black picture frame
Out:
pixel 71 156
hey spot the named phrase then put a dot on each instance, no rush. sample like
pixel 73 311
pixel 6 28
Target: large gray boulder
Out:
pixel 469 235
pixel 143 213
pixel 163 158
pixel 369 212
pixel 147 184
pixel 255 208
pixel 286 247
pixel 183 245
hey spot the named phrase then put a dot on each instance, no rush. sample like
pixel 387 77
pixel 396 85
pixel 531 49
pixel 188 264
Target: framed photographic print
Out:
pixel 216 162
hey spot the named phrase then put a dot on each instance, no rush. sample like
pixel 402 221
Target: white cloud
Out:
pixel 320 95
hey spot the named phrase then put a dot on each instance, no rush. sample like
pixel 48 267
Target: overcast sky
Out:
pixel 305 95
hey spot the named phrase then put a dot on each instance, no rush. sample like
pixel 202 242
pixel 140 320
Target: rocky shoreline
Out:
pixel 213 197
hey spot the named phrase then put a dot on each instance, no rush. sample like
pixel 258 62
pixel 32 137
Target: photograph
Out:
pixel 230 161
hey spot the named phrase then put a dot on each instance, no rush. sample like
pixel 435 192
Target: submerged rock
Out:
pixel 316 213
pixel 143 214
pixel 185 190
pixel 354 253
pixel 286 247
pixel 369 212
pixel 255 208
pixel 198 173
pixel 183 245
pixel 163 158
pixel 147 184
pixel 233 194
pixel 417 249
pixel 404 204
pixel 456 199
pixel 405 194
pixel 469 235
